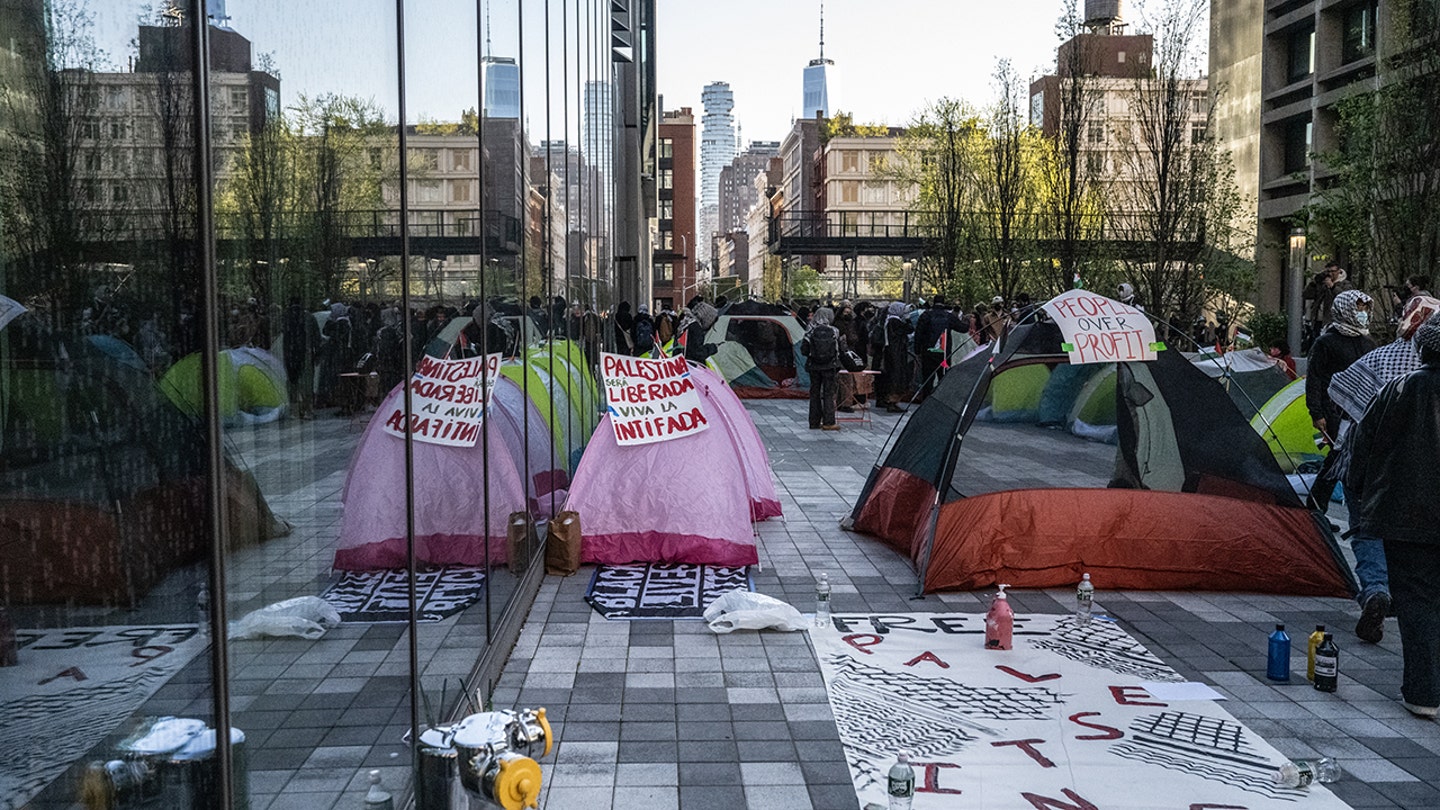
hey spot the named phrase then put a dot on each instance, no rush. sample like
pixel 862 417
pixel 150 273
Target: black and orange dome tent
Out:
pixel 1195 499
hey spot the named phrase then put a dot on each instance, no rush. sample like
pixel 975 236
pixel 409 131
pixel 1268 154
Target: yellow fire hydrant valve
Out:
pixel 517 783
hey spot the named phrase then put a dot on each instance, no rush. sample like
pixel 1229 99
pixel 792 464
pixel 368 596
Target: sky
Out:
pixel 892 56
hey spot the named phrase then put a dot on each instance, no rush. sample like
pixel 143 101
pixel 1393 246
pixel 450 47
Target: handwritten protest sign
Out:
pixel 447 403
pixel 651 400
pixel 1102 330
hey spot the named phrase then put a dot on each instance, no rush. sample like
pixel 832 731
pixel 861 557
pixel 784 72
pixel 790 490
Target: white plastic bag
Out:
pixel 301 617
pixel 747 610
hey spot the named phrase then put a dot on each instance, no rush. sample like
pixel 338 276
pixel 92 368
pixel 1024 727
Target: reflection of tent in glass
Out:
pixel 1194 498
pixel 451 525
pixel 1284 422
pixel 251 382
pixel 563 391
pixel 103 478
pixel 770 335
pixel 686 500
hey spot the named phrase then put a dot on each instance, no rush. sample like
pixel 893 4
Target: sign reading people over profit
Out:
pixel 446 399
pixel 1102 330
pixel 651 400
pixel 1075 716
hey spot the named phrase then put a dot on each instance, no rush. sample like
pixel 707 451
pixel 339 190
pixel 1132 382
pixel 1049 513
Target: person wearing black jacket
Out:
pixel 822 347
pixel 1344 341
pixel 1392 481
pixel 693 328
pixel 933 323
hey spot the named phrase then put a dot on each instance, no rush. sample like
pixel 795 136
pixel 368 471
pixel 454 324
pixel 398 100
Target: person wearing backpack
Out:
pixel 822 346
pixel 644 332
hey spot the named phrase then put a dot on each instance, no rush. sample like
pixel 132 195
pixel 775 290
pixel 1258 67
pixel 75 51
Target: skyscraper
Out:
pixel 502 87
pixel 717 149
pixel 596 141
pixel 817 79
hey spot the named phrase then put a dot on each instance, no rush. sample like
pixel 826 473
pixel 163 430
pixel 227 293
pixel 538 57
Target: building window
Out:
pixel 1301 50
pixel 119 193
pixel 667 240
pixel 460 191
pixel 460 159
pixel 115 98
pixel 877 162
pixel 117 130
pixel 664 272
pixel 428 191
pixel 849 191
pixel 1121 57
pixel 667 148
pixel 667 178
pixel 239 100
pixel 1358 32
pixel 144 158
pixel 377 158
pixel 1297 145
pixel 1095 162
pixel 1197 133
pixel 875 192
pixel 426 159
pixel 849 161
pixel 667 210
pixel 272 104
pixel 1095 133
pixel 92 161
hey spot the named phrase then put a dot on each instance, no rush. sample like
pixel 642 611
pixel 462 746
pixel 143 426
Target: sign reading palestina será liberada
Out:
pixel 1102 330
pixel 651 400
pixel 447 401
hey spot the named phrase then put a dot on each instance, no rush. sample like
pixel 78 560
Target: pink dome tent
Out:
pixel 687 500
pixel 450 524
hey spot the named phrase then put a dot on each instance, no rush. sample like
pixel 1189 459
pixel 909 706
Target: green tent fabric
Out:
pixel 1285 424
pixel 735 364
pixel 1015 396
pixel 251 384
pixel 773 342
pixel 560 385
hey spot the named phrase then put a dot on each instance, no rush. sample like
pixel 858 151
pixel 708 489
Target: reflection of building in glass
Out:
pixel 502 87
pixel 596 143
pixel 675 245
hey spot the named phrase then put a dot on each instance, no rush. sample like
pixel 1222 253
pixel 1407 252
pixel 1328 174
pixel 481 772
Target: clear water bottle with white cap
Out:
pixel 822 600
pixel 1084 600
pixel 901 784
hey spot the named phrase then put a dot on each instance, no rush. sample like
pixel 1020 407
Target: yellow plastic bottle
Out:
pixel 1315 639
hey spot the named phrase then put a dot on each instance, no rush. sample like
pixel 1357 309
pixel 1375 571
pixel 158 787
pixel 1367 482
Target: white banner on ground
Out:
pixel 1063 720
pixel 446 400
pixel 651 400
pixel 1102 330
pixel 71 689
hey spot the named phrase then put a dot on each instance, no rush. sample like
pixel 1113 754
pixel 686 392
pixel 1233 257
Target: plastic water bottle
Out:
pixel 1327 664
pixel 202 611
pixel 822 601
pixel 1084 600
pixel 901 785
pixel 1302 772
pixel 377 797
pixel 1277 666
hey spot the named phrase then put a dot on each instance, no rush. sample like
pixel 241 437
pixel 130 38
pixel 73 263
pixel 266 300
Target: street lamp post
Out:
pixel 905 269
pixel 1294 293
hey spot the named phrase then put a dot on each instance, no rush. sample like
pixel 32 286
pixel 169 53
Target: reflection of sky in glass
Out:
pixel 894 62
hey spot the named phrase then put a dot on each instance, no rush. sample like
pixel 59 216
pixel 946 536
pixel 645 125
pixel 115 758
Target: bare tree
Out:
pixel 1005 187
pixel 940 155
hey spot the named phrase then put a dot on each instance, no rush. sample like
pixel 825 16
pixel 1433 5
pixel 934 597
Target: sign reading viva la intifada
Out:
pixel 447 401
pixel 651 400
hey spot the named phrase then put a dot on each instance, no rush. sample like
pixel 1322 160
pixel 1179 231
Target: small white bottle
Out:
pixel 1084 600
pixel 901 785
pixel 377 797
pixel 1301 773
pixel 822 601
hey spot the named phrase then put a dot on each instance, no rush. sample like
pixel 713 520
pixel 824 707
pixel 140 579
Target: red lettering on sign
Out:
pixel 1133 696
pixel 1026 677
pixel 1047 803
pixel 927 656
pixel 932 778
pixel 1217 807
pixel 1111 733
pixel 870 640
pixel 73 672
pixel 150 653
pixel 1028 746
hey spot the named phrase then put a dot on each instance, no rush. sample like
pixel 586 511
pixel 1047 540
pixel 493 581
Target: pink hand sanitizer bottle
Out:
pixel 999 622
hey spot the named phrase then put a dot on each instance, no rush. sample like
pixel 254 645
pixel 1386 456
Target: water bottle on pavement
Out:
pixel 1301 772
pixel 1084 600
pixel 202 611
pixel 901 785
pixel 1277 666
pixel 377 797
pixel 1327 664
pixel 822 601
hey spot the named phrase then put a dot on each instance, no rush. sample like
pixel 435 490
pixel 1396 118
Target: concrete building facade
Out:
pixel 675 236
pixel 737 184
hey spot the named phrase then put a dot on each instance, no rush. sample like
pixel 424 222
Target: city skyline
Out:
pixel 938 48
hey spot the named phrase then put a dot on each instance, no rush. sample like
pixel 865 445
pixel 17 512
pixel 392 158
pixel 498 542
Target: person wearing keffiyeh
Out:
pixel 1352 391
pixel 1396 494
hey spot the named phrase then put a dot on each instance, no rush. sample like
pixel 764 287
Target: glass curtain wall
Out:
pixel 224 248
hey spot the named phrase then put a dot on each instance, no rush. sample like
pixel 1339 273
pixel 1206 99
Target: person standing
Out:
pixel 643 333
pixel 821 347
pixel 302 341
pixel 892 356
pixel 934 322
pixel 1392 479
pixel 692 331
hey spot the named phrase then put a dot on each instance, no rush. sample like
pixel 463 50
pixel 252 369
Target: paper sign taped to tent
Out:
pixel 447 401
pixel 1063 720
pixel 651 400
pixel 1102 330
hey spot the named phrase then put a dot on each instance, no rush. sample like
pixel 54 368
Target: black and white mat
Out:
pixel 384 596
pixel 662 590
